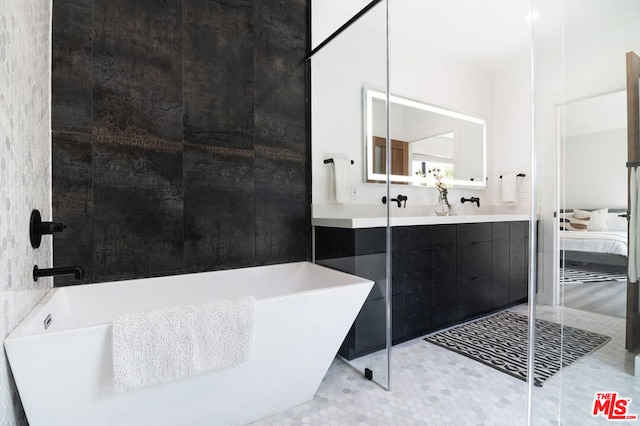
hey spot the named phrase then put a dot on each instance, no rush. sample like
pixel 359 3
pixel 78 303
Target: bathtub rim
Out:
pixel 21 331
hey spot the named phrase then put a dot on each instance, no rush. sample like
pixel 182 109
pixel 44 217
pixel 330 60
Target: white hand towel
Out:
pixel 510 188
pixel 342 179
pixel 633 259
pixel 171 343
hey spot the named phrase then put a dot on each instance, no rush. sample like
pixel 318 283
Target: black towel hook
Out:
pixel 330 160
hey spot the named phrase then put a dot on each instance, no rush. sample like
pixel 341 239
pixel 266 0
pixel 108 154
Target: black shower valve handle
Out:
pixel 50 227
pixel 38 228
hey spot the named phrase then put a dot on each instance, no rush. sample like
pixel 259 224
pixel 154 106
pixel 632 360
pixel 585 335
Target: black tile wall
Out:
pixel 219 207
pixel 138 208
pixel 218 94
pixel 72 160
pixel 137 69
pixel 282 219
pixel 282 224
pixel 179 135
pixel 71 74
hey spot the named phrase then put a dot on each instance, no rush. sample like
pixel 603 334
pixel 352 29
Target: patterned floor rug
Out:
pixel 500 341
pixel 578 275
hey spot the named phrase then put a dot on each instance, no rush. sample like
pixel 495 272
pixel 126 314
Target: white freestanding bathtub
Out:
pixel 64 373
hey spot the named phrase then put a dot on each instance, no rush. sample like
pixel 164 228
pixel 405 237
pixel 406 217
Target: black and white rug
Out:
pixel 500 341
pixel 581 275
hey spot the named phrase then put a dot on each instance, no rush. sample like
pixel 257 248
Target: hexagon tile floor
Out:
pixel 434 386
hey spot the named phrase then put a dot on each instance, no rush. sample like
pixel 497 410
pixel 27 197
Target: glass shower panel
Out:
pixel 453 270
pixel 583 104
pixel 349 221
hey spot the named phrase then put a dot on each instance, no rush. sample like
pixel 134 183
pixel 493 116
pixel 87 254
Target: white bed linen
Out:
pixel 609 242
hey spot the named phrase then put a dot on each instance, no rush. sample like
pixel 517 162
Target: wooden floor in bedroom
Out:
pixel 607 298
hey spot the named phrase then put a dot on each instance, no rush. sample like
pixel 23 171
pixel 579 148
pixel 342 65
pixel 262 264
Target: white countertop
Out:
pixel 338 221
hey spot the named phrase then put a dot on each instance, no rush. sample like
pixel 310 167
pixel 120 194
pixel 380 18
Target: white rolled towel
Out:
pixel 510 188
pixel 342 179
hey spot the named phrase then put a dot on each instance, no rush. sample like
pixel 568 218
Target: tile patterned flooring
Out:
pixel 434 386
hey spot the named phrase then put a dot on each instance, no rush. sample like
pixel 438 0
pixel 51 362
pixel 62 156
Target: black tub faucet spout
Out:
pixel 76 271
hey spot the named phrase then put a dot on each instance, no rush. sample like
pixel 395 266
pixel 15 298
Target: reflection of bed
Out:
pixel 608 247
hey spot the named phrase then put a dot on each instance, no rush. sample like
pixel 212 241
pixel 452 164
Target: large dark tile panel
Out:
pixel 224 78
pixel 138 208
pixel 71 72
pixel 282 228
pixel 282 206
pixel 218 73
pixel 280 47
pixel 283 209
pixel 280 169
pixel 72 204
pixel 137 68
pixel 219 208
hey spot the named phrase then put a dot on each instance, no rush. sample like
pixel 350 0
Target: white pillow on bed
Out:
pixel 616 223
pixel 597 218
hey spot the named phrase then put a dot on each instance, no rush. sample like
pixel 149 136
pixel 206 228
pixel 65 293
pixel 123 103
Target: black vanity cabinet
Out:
pixel 518 259
pixel 500 259
pixel 443 289
pixel 473 270
pixel 441 275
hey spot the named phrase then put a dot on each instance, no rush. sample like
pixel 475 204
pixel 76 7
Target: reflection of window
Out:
pixel 423 167
pixel 434 152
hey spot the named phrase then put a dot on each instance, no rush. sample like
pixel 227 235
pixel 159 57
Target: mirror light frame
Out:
pixel 369 95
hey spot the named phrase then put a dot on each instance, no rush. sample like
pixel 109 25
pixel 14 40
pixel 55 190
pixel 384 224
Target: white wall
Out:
pixel 594 152
pixel 353 60
pixel 357 58
pixel 25 173
pixel 595 172
pixel 510 151
pixel 332 14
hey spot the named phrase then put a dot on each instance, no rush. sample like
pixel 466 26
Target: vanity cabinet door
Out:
pixel 443 290
pixel 473 232
pixel 474 260
pixel 474 250
pixel 474 278
pixel 518 260
pixel 417 314
pixel 397 318
pixel 499 264
pixel 415 273
pixel 473 290
pixel 474 296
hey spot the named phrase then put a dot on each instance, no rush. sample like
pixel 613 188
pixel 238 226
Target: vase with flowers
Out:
pixel 442 208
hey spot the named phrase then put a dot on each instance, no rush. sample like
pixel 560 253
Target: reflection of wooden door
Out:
pixel 399 156
pixel 633 157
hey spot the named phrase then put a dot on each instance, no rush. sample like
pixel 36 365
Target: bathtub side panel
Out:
pixel 299 344
pixel 67 378
pixel 61 376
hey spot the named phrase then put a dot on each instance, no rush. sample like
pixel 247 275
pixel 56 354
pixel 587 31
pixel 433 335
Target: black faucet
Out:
pixel 77 272
pixel 398 200
pixel 472 199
